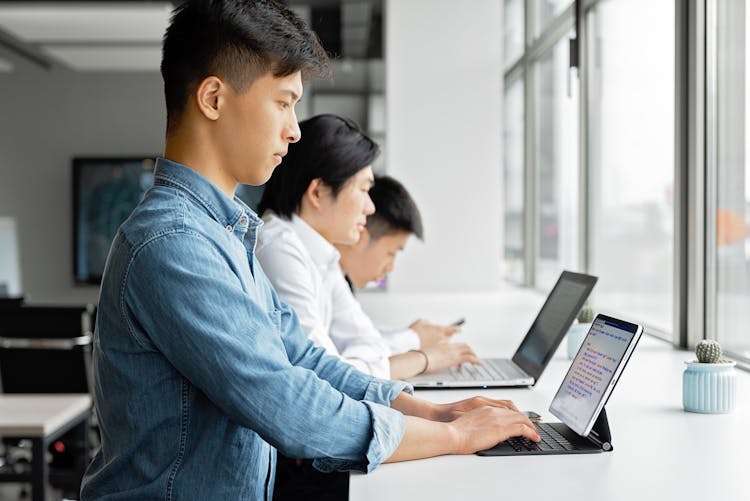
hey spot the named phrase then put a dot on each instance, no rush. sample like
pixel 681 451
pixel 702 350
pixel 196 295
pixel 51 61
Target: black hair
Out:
pixel 332 148
pixel 237 41
pixel 395 210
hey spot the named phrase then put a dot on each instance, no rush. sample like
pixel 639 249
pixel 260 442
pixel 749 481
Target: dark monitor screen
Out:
pixel 553 321
pixel 105 192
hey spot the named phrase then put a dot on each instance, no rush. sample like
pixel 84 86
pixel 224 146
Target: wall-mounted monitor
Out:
pixel 105 192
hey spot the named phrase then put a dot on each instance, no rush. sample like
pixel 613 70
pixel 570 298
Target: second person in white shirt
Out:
pixel 317 198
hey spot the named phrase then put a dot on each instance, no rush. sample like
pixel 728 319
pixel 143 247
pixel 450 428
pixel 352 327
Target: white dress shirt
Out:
pixel 400 340
pixel 304 269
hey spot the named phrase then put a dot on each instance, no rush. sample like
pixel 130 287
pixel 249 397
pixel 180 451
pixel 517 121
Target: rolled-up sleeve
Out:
pixel 388 428
pixel 383 391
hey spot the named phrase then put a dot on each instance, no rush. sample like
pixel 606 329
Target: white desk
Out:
pixel 660 451
pixel 42 419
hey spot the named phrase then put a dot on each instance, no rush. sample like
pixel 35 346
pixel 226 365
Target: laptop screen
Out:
pixel 601 358
pixel 553 321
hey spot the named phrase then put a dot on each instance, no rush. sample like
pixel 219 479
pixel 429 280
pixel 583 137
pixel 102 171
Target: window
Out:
pixel 631 158
pixel 613 209
pixel 513 32
pixel 556 165
pixel 513 178
pixel 621 227
pixel 545 12
pixel 728 188
pixel 541 165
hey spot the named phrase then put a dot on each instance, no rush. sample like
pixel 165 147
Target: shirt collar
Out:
pixel 229 212
pixel 321 250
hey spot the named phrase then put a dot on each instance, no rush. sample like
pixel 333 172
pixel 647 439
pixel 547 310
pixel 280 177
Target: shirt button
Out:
pixel 243 221
pixel 229 227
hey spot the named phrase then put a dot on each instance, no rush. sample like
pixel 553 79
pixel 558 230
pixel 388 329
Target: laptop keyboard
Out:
pixel 551 440
pixel 491 370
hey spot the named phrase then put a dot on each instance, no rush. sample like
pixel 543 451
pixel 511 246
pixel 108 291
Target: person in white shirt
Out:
pixel 395 219
pixel 316 199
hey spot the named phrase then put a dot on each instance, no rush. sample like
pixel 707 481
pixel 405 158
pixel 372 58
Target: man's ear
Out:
pixel 209 96
pixel 315 192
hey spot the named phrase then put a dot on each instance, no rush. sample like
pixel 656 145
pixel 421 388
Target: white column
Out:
pixel 443 105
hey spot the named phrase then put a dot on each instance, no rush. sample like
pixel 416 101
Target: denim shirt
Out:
pixel 201 373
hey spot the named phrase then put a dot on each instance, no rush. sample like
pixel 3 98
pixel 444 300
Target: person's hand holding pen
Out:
pixel 431 334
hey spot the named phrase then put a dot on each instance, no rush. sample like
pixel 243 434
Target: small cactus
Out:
pixel 708 351
pixel 586 315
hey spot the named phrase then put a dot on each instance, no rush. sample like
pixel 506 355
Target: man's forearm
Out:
pixel 424 439
pixel 410 405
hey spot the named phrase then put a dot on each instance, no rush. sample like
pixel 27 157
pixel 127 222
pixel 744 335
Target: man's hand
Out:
pixel 442 356
pixel 478 423
pixel 454 410
pixel 485 427
pixel 431 334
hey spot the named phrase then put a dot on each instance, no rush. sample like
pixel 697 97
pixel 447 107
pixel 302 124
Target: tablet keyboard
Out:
pixel 551 440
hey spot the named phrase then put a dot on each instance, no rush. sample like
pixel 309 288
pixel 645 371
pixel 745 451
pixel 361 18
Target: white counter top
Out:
pixel 660 451
pixel 39 415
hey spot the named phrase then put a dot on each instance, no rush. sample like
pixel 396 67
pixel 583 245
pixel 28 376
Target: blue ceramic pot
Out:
pixel 709 388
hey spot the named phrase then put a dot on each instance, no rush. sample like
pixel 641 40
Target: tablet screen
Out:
pixel 596 367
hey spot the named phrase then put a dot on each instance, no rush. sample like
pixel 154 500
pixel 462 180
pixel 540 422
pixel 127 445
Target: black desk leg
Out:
pixel 81 439
pixel 39 470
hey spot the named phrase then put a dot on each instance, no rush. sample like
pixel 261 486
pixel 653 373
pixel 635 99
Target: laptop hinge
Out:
pixel 600 434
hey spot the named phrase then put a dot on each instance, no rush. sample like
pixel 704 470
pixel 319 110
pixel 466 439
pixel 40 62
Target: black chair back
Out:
pixel 45 349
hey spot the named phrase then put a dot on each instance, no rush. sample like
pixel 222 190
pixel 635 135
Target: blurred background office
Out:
pixel 605 136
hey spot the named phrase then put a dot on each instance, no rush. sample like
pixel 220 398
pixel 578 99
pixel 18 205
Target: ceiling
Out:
pixel 92 36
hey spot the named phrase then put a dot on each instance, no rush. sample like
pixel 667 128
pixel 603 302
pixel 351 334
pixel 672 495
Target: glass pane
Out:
pixel 556 165
pixel 631 158
pixel 545 11
pixel 732 178
pixel 513 31
pixel 513 181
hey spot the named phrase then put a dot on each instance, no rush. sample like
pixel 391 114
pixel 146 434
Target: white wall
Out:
pixel 443 92
pixel 46 118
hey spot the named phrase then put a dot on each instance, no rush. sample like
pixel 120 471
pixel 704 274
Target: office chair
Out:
pixel 48 350
pixel 45 349
pixel 10 302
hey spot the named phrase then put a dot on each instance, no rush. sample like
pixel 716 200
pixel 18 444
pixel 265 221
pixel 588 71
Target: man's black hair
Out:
pixel 395 210
pixel 332 148
pixel 237 41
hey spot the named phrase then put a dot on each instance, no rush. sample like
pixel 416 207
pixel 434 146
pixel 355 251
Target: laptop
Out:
pixel 535 351
pixel 579 402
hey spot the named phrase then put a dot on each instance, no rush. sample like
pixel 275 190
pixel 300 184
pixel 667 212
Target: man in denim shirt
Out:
pixel 200 371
